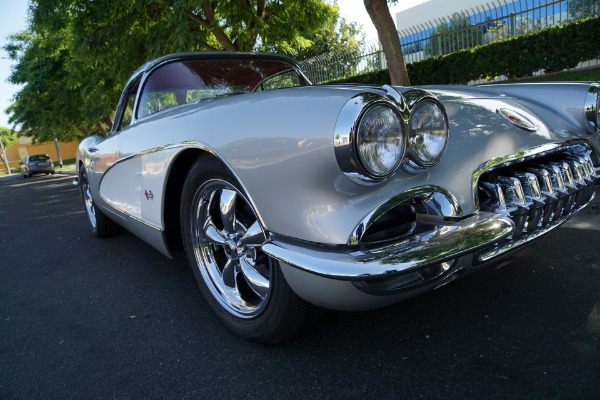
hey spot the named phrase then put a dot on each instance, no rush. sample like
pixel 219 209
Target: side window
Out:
pixel 169 86
pixel 129 103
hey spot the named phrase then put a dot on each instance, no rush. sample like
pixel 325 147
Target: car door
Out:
pixel 118 174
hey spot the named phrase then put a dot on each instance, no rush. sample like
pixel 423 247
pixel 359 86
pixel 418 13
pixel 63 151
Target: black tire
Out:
pixel 101 225
pixel 227 260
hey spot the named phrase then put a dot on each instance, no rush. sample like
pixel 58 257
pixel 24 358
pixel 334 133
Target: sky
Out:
pixel 13 19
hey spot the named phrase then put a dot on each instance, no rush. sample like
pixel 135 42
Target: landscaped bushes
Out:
pixel 553 49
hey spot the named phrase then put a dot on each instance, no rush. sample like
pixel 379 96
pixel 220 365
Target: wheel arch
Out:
pixel 173 191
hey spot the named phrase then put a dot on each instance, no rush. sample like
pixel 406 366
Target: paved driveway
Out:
pixel 82 318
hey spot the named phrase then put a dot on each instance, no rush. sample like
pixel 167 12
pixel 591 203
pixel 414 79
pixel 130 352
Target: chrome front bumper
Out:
pixel 359 277
pixel 445 241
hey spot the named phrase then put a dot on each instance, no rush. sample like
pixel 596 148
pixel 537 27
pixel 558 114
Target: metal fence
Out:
pixel 494 21
pixel 340 64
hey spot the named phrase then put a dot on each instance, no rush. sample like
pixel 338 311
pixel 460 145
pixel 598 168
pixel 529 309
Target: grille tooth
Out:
pixel 513 191
pixel 586 171
pixel 549 195
pixel 538 196
pixel 533 193
pixel 495 197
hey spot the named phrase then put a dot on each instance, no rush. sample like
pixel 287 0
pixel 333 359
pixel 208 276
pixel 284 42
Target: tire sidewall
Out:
pixel 104 226
pixel 273 312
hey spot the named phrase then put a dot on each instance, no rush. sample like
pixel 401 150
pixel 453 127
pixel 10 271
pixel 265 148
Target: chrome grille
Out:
pixel 537 195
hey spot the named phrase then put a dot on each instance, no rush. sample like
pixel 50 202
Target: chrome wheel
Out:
pixel 87 200
pixel 226 240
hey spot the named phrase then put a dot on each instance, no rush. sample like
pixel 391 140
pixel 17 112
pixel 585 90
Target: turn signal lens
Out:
pixel 517 119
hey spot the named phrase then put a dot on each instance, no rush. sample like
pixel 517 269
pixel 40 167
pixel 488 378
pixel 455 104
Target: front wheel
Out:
pixel 223 237
pixel 101 225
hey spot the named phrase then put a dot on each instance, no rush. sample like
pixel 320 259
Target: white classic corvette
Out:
pixel 288 197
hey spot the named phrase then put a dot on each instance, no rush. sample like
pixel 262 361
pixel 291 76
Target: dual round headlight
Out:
pixel 383 139
pixel 380 140
pixel 427 133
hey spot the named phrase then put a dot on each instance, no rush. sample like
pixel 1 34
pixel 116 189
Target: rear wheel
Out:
pixel 101 225
pixel 223 237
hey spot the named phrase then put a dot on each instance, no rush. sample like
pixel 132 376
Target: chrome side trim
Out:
pixel 436 199
pixel 182 146
pixel 444 241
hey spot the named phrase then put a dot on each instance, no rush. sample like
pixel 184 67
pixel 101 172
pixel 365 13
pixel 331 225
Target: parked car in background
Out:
pixel 36 164
pixel 289 197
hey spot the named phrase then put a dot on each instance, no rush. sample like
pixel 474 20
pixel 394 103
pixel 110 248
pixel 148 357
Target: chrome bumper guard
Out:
pixel 444 242
pixel 537 196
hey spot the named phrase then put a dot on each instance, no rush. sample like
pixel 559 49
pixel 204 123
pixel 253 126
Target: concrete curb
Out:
pixel 18 176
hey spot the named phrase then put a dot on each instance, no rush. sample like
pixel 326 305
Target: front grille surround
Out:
pixel 538 194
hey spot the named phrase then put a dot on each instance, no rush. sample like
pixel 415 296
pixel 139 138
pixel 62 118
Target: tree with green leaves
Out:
pixel 76 55
pixel 337 44
pixel 579 9
pixel 379 12
pixel 7 138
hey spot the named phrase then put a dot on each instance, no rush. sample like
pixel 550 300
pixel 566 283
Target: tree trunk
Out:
pixel 60 163
pixel 86 132
pixel 108 122
pixel 388 36
pixel 4 159
pixel 102 129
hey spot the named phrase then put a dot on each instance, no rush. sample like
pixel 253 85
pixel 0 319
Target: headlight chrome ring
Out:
pixel 380 140
pixel 427 133
pixel 372 134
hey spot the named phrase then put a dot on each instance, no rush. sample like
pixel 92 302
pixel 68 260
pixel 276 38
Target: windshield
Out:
pixel 183 82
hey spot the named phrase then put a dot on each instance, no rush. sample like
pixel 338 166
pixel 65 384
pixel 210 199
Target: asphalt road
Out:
pixel 84 318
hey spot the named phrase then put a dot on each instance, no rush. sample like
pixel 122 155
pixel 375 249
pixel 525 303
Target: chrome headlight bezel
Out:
pixel 346 136
pixel 591 108
pixel 345 140
pixel 413 135
pixel 396 136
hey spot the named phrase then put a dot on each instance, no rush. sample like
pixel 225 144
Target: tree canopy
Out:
pixel 76 55
pixel 8 136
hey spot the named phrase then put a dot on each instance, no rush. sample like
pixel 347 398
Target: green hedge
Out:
pixel 553 49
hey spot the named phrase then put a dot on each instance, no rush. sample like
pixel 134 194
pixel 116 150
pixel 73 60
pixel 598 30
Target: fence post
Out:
pixel 513 24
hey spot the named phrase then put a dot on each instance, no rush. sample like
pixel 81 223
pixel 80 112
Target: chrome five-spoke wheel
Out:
pixel 87 200
pixel 102 226
pixel 226 237
pixel 223 239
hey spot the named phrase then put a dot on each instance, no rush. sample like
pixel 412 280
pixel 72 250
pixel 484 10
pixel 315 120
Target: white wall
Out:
pixel 433 9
